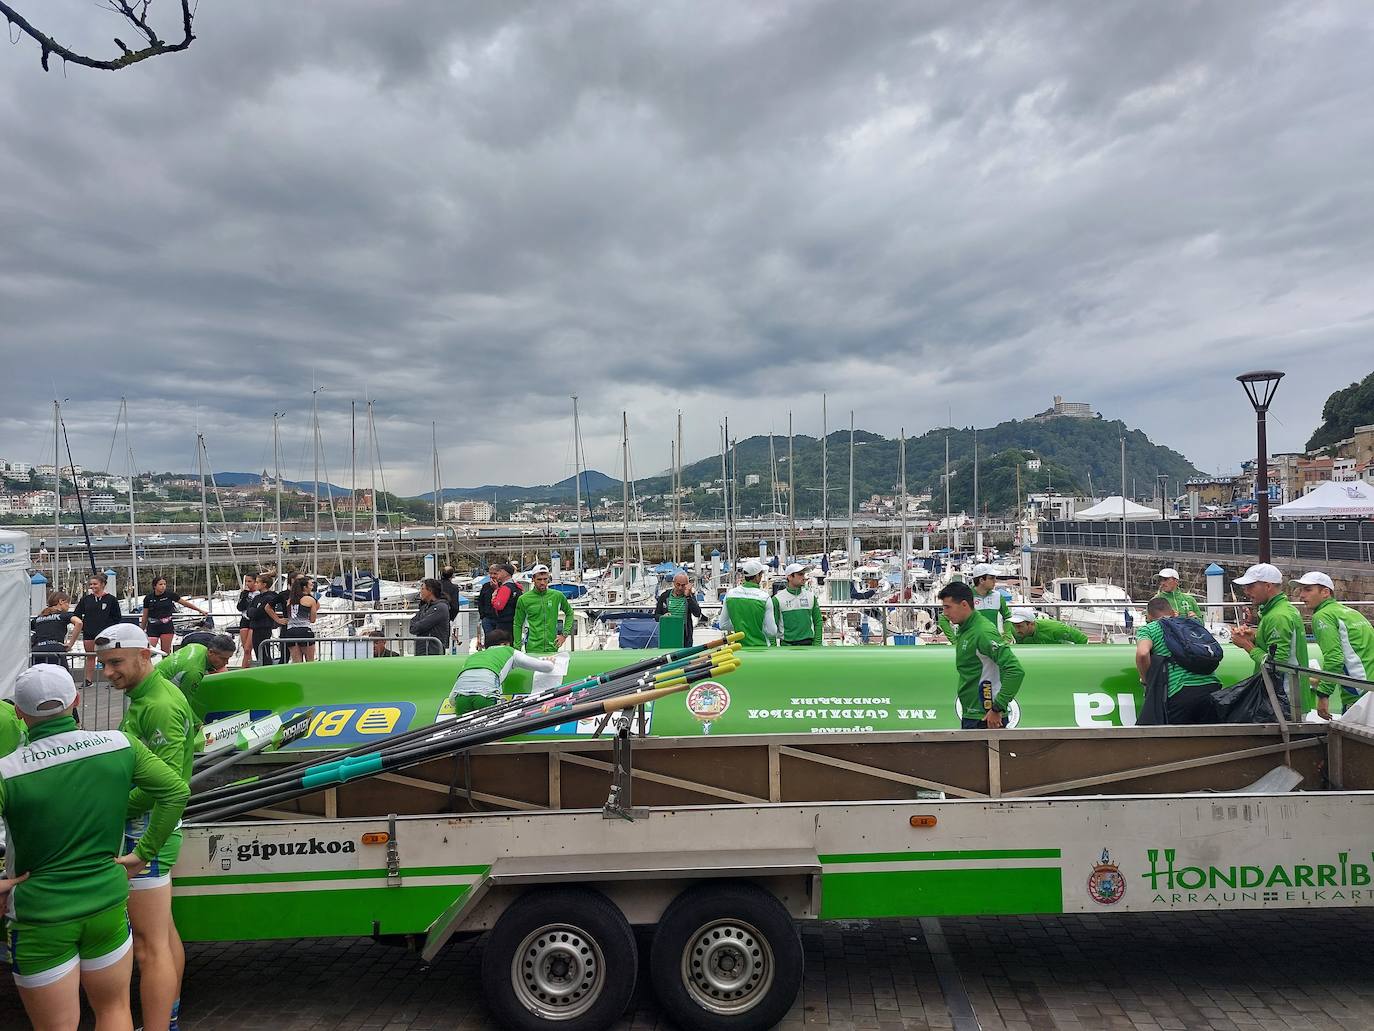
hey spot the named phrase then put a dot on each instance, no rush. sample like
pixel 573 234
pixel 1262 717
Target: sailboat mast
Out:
pixel 977 533
pixel 276 461
pixel 372 459
pixel 791 492
pixel 57 493
pixel 434 444
pixel 353 490
pixel 825 482
pixel 901 458
pixel 133 519
pixel 949 527
pixel 1125 581
pixel 625 496
pixel 204 516
pixel 577 483
pixel 775 516
pixel 677 496
pixel 724 494
pixel 315 434
pixel 849 544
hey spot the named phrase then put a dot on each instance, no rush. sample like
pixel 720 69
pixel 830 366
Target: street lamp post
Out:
pixel 1260 387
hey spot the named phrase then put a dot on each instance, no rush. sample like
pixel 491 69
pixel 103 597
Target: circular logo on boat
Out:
pixel 708 702
pixel 1106 886
pixel 1010 718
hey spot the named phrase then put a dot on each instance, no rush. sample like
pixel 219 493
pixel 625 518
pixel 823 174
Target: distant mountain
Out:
pixel 253 479
pixel 593 482
pixel 1344 410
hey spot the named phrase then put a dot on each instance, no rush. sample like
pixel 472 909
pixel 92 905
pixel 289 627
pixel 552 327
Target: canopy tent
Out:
pixel 14 608
pixel 1111 509
pixel 1329 499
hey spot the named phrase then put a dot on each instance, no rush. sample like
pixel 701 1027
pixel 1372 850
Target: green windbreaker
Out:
pixel 1182 602
pixel 1346 641
pixel 748 609
pixel 979 655
pixel 1051 631
pixel 538 610
pixel 1281 626
pixel 797 614
pixel 161 718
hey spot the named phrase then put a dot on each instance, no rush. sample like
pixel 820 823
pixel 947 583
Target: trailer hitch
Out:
pixel 620 802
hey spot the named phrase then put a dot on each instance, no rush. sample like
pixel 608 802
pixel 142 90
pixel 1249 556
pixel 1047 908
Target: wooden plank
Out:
pixel 555 780
pixel 331 803
pixel 774 774
pixel 880 774
pixel 994 768
pixel 1147 771
pixel 663 778
pixel 442 789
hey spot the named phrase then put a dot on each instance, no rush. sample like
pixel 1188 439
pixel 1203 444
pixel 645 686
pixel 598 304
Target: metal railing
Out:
pixel 277 650
pixel 1318 540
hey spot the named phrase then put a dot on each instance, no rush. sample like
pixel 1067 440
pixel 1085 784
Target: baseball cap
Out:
pixel 44 691
pixel 1023 615
pixel 539 569
pixel 1260 572
pixel 123 635
pixel 752 567
pixel 981 569
pixel 1316 580
pixel 1167 572
pixel 795 567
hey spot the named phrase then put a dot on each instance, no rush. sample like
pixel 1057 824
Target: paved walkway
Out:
pixel 1175 972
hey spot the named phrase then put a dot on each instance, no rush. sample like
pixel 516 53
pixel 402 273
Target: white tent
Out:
pixel 1110 509
pixel 14 608
pixel 1329 499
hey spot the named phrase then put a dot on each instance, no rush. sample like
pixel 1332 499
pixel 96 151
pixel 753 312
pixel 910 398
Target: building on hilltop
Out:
pixel 1062 409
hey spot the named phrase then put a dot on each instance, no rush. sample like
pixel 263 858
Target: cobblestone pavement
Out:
pixel 1174 972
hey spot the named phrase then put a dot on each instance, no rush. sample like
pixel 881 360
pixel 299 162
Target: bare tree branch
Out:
pixel 136 13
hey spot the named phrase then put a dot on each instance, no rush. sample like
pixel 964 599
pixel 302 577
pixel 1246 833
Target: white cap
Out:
pixel 981 569
pixel 1260 572
pixel 1023 615
pixel 369 630
pixel 1316 580
pixel 752 567
pixel 1166 573
pixel 795 567
pixel 44 691
pixel 123 635
pixel 541 568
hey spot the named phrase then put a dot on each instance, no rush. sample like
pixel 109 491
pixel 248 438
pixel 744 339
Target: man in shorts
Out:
pixel 160 717
pixel 67 877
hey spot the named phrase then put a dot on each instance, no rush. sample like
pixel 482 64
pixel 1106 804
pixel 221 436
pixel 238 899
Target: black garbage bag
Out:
pixel 1248 702
pixel 1154 706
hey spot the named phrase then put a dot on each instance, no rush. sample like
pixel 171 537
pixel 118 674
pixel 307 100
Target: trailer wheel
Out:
pixel 563 958
pixel 726 957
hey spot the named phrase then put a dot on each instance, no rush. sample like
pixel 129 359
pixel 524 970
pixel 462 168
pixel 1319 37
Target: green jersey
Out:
pixel 993 608
pixel 538 610
pixel 748 609
pixel 982 656
pixel 1346 641
pixel 1281 627
pixel 62 796
pixel 500 659
pixel 797 614
pixel 1179 678
pixel 186 668
pixel 161 718
pixel 1182 603
pixel 11 729
pixel 1051 631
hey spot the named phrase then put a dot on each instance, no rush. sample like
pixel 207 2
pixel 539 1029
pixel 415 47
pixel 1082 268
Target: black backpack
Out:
pixel 1190 644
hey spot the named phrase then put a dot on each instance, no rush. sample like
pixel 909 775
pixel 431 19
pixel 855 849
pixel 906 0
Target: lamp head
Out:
pixel 1260 387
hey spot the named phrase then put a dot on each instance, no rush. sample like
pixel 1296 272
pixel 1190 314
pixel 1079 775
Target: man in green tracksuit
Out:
pixel 483 674
pixel 11 729
pixel 1179 600
pixel 1031 628
pixel 1344 638
pixel 62 797
pixel 988 602
pixel 538 611
pixel 1280 627
pixel 748 609
pixel 989 675
pixel 797 610
pixel 186 667
pixel 160 716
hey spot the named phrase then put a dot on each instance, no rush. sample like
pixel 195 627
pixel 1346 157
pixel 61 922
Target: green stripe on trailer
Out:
pixel 328 875
pixel 301 913
pixel 991 891
pixel 924 857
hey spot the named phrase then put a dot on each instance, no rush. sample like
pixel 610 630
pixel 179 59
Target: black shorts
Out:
pixel 297 633
pixel 49 659
pixel 158 627
pixel 800 644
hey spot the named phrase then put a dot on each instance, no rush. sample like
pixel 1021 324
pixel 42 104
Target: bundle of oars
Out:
pixel 613 691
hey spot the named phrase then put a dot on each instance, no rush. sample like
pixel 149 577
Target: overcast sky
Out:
pixel 470 211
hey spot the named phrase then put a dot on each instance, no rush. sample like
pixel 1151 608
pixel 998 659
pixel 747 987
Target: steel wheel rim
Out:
pixel 558 972
pixel 727 966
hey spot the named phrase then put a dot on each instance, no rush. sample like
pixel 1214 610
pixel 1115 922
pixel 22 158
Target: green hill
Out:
pixel 1344 410
pixel 1070 450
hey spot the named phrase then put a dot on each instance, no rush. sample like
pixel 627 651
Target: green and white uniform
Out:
pixel 981 656
pixel 479 683
pixel 992 607
pixel 161 718
pixel 1346 641
pixel 748 609
pixel 1281 626
pixel 63 796
pixel 1182 603
pixel 538 610
pixel 11 729
pixel 185 668
pixel 1051 631
pixel 797 614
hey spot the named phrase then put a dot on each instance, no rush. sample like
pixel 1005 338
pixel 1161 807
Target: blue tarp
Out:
pixel 639 633
pixel 668 569
pixel 569 591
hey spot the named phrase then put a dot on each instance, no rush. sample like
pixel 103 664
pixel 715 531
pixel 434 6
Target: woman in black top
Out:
pixel 98 611
pixel 53 630
pixel 157 614
pixel 258 611
pixel 246 596
pixel 299 608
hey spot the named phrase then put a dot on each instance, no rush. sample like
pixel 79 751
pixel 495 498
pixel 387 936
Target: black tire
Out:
pixel 560 933
pixel 712 925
